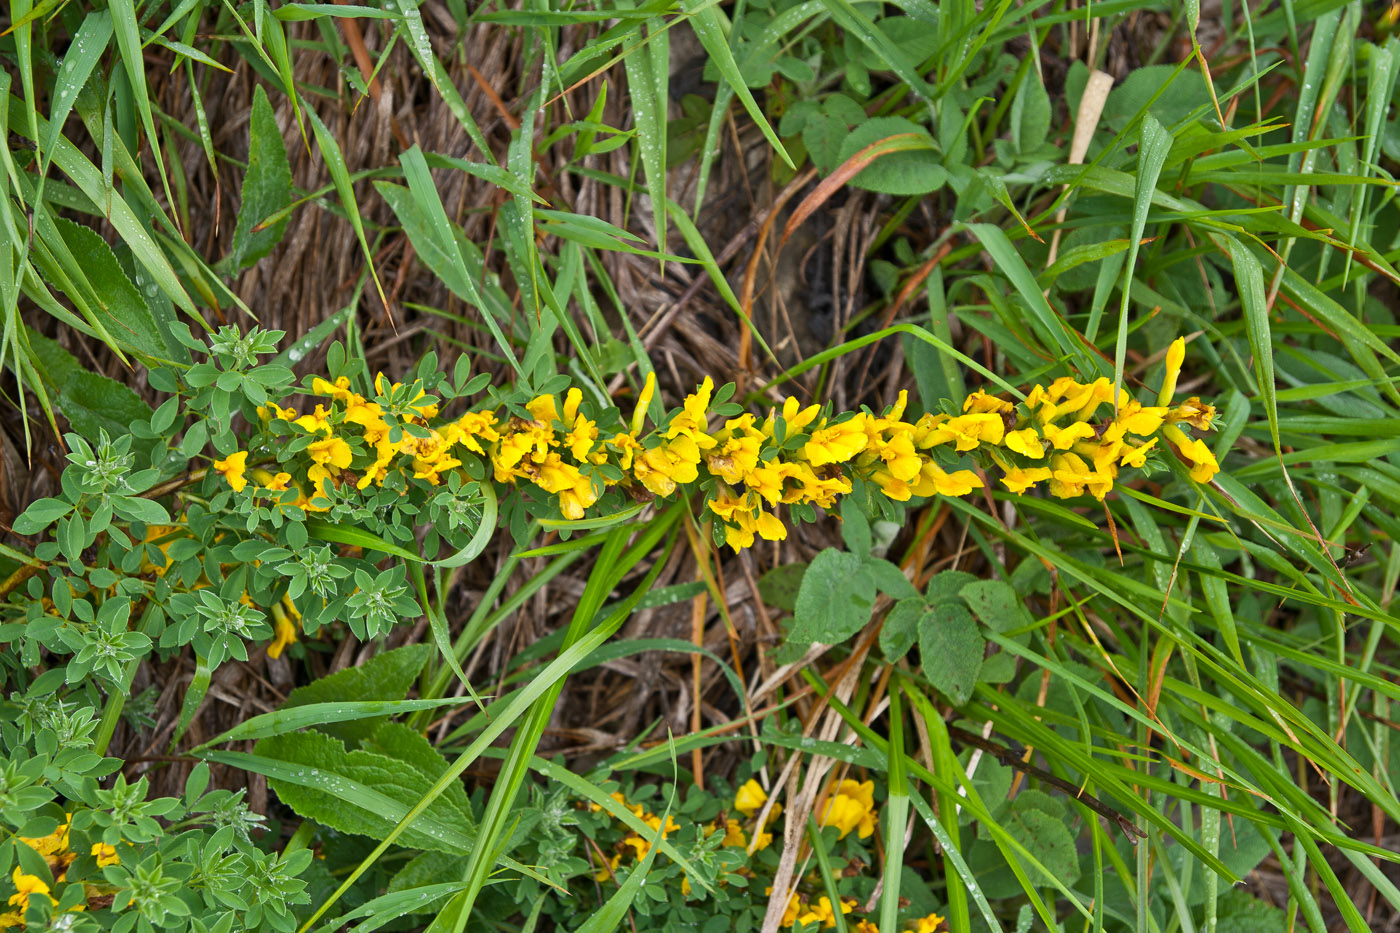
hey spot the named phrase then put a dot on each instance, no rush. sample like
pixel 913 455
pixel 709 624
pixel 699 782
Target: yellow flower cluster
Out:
pixel 1057 437
pixel 795 456
pixel 56 851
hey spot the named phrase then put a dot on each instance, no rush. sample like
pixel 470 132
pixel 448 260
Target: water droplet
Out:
pixel 152 289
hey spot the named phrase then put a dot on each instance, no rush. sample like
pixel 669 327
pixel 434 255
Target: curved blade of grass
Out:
pixel 314 714
pixel 895 816
pixel 340 175
pixel 1153 146
pixel 1066 344
pixel 482 536
pixel 705 19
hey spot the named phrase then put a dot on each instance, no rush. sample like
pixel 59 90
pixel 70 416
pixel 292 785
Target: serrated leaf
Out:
pixel 123 312
pixel 359 792
pixel 901 628
pixel 835 599
pixel 996 604
pixel 947 585
pixel 267 187
pixel 402 743
pixel 1045 837
pixel 384 677
pixel 951 648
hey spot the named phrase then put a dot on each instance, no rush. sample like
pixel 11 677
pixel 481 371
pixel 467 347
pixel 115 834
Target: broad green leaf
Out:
pixel 123 312
pixel 361 792
pixel 835 599
pixel 951 648
pixel 40 514
pixel 913 169
pixel 901 628
pixel 1042 831
pixel 386 677
pixel 779 586
pixel 996 604
pixel 267 188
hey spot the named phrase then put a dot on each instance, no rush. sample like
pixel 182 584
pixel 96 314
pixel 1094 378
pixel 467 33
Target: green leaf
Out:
pixel 384 677
pixel 296 718
pixel 901 628
pixel 355 536
pixel 124 313
pixel 41 514
pixel 267 187
pixel 359 792
pixel 779 586
pixel 996 604
pixel 835 599
pixel 1044 835
pixel 1030 115
pixel 913 169
pixel 91 402
pixel 710 30
pixel 951 648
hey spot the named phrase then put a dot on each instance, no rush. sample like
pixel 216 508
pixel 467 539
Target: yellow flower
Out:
pixel 865 926
pixel 338 390
pixel 286 626
pixel 54 846
pixel 927 924
pixel 836 443
pixel 474 425
pixel 1025 442
pixel 1203 463
pixel 734 834
pixel 822 912
pixel 933 479
pixel 233 467
pixel 608 872
pixel 794 906
pixel 1136 456
pixel 899 456
pixel 750 797
pixel 542 409
pixel 967 431
pixel 639 414
pixel 319 420
pixel 105 854
pixel 1019 479
pixel 661 468
pixel 690 423
pixel 1135 418
pixel 1176 355
pixel 980 402
pixel 27 885
pixel 333 451
pixel 795 418
pixel 1071 476
pixel 1194 412
pixel 851 807
pixel 767 480
pixel 270 483
pixel 1066 437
